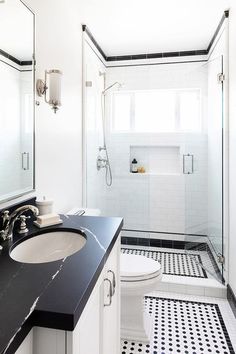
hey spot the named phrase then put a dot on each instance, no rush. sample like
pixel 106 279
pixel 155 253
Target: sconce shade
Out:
pixel 52 84
pixel 55 87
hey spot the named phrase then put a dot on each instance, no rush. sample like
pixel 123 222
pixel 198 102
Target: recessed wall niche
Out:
pixel 157 160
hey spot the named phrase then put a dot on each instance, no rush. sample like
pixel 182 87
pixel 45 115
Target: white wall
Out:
pixel 232 146
pixel 58 137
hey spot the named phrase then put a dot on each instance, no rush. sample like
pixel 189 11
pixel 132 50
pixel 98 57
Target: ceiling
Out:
pixel 127 27
pixel 16 30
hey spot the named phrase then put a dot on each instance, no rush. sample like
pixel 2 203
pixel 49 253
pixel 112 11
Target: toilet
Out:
pixel 139 276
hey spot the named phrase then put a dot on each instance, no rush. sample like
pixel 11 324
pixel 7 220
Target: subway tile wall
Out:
pixel 164 199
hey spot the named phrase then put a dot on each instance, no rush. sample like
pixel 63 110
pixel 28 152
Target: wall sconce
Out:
pixel 54 88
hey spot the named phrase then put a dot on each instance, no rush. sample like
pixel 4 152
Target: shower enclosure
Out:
pixel 171 118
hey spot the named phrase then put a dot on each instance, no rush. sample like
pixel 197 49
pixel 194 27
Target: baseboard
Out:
pixel 232 299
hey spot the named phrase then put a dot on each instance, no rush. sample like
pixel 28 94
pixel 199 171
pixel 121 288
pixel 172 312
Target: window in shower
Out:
pixel 157 111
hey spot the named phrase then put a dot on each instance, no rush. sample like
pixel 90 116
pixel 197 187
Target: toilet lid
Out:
pixel 136 267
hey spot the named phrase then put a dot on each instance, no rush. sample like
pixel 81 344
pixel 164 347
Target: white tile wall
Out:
pixel 164 199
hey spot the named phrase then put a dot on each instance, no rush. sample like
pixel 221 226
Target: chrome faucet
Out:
pixel 9 220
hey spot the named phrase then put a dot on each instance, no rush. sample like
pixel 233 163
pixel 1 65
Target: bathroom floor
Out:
pixel 174 262
pixel 179 262
pixel 188 325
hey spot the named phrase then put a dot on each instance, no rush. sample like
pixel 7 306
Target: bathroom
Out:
pixel 134 159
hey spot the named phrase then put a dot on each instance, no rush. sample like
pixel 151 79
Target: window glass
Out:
pixel 189 110
pixel 121 109
pixel 155 111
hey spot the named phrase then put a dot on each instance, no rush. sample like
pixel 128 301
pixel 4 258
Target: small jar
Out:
pixel 45 206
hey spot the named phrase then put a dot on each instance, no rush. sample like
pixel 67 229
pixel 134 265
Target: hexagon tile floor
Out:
pixel 173 263
pixel 186 326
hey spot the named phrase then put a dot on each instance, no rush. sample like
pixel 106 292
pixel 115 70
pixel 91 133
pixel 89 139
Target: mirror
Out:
pixel 16 99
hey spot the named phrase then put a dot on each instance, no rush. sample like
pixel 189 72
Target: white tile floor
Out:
pixel 187 283
pixel 189 325
pixel 173 262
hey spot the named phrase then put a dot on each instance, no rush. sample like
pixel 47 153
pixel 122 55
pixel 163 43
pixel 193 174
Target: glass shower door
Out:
pixel 203 169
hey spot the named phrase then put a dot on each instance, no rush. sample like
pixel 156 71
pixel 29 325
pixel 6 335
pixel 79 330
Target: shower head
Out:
pixel 112 85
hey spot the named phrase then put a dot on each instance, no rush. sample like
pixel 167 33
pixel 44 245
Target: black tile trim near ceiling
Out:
pixel 15 60
pixel 157 55
pixel 231 299
pixel 87 31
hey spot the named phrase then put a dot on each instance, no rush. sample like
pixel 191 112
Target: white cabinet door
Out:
pixel 111 310
pixel 48 340
pixel 86 337
pixel 26 346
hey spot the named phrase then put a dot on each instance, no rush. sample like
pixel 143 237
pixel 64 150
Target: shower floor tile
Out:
pixel 173 262
pixel 182 324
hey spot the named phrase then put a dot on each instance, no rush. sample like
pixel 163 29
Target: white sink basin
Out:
pixel 48 247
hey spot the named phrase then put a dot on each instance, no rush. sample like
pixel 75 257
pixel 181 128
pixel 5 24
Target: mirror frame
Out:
pixel 17 195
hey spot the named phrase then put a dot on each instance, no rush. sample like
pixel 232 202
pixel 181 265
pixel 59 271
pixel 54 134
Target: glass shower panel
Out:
pixel 202 167
pixel 128 196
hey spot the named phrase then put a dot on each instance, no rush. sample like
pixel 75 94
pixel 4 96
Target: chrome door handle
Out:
pixel 113 281
pixel 25 160
pixel 187 170
pixel 109 295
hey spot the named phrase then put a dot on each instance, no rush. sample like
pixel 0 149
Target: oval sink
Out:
pixel 48 247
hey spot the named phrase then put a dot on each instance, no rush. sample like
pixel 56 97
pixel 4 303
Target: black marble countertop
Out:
pixel 52 294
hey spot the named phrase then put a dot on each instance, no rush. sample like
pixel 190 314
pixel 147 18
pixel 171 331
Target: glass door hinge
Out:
pixel 221 258
pixel 220 78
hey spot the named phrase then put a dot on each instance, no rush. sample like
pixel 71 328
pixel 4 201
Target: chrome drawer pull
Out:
pixel 109 295
pixel 113 281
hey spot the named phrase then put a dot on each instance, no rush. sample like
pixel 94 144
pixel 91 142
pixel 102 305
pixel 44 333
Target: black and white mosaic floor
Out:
pixel 174 263
pixel 183 326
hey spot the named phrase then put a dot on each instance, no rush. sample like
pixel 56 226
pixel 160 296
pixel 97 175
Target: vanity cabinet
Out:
pixel 26 346
pixel 98 329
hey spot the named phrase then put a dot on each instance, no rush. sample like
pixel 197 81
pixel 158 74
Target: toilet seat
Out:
pixel 136 268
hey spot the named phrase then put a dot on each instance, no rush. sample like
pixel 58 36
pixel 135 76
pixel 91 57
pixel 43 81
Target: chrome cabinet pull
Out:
pixel 109 295
pixel 113 281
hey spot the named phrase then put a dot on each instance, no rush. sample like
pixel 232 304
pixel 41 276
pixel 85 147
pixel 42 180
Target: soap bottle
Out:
pixel 134 166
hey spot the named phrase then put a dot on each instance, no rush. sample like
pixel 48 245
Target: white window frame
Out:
pixel 177 111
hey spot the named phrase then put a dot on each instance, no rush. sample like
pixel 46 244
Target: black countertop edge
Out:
pixel 47 313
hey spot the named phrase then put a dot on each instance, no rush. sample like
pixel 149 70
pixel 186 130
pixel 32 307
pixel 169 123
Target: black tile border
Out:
pixel 220 317
pixel 87 31
pixel 183 254
pixel 173 244
pixel 225 15
pixel 152 242
pixel 15 60
pixel 231 299
pixel 157 55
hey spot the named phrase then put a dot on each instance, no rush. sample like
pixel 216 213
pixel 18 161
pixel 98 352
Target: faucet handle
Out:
pixel 2 235
pixel 5 216
pixel 23 227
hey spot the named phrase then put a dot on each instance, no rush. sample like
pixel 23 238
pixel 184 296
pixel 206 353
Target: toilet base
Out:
pixel 135 321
